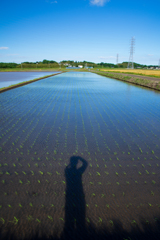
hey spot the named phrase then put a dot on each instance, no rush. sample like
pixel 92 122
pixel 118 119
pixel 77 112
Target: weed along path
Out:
pixel 79 159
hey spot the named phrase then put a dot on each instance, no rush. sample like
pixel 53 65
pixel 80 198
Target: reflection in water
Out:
pixel 11 78
pixel 75 199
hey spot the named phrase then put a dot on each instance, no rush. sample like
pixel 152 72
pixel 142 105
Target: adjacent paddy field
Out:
pixel 144 72
pixel 11 78
pixel 79 159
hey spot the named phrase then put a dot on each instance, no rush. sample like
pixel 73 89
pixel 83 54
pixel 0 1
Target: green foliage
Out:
pixel 8 65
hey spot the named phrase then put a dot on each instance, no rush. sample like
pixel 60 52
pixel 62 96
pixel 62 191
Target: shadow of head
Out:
pixel 74 161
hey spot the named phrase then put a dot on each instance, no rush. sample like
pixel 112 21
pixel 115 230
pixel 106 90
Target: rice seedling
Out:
pixel 30 218
pixel 134 222
pixel 49 173
pixel 111 223
pixel 93 121
pixel 2 220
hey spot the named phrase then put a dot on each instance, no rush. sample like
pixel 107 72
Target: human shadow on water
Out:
pixel 75 227
pixel 75 199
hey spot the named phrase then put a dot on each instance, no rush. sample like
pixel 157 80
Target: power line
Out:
pixel 130 62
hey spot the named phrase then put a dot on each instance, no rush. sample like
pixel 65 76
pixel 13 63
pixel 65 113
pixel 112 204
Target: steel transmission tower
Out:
pixel 130 63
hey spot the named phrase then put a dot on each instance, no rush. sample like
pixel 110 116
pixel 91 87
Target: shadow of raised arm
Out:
pixel 84 166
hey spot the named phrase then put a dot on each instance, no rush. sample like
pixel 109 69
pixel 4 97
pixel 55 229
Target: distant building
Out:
pixel 80 66
pixel 88 67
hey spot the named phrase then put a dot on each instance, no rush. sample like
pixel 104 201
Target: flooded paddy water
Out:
pixel 79 159
pixel 10 78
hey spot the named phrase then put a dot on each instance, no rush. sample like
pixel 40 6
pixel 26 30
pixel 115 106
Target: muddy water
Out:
pixel 79 157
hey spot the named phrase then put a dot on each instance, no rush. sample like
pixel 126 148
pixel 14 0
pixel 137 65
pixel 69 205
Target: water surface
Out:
pixel 11 78
pixel 80 157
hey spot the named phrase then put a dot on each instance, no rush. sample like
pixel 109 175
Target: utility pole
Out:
pixel 159 64
pixel 117 58
pixel 130 63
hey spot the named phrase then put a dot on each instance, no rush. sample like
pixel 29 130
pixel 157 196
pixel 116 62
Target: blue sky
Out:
pixel 91 30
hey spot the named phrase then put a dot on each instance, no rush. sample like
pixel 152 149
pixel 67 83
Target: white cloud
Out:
pixel 99 2
pixel 4 48
pixel 150 55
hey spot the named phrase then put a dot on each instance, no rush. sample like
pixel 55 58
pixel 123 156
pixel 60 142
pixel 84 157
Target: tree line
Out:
pixel 53 64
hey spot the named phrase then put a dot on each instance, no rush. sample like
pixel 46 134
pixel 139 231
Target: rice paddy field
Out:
pixel 10 78
pixel 79 159
pixel 145 72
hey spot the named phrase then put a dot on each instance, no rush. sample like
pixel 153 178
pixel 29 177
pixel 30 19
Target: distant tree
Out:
pixel 8 65
pixel 45 61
